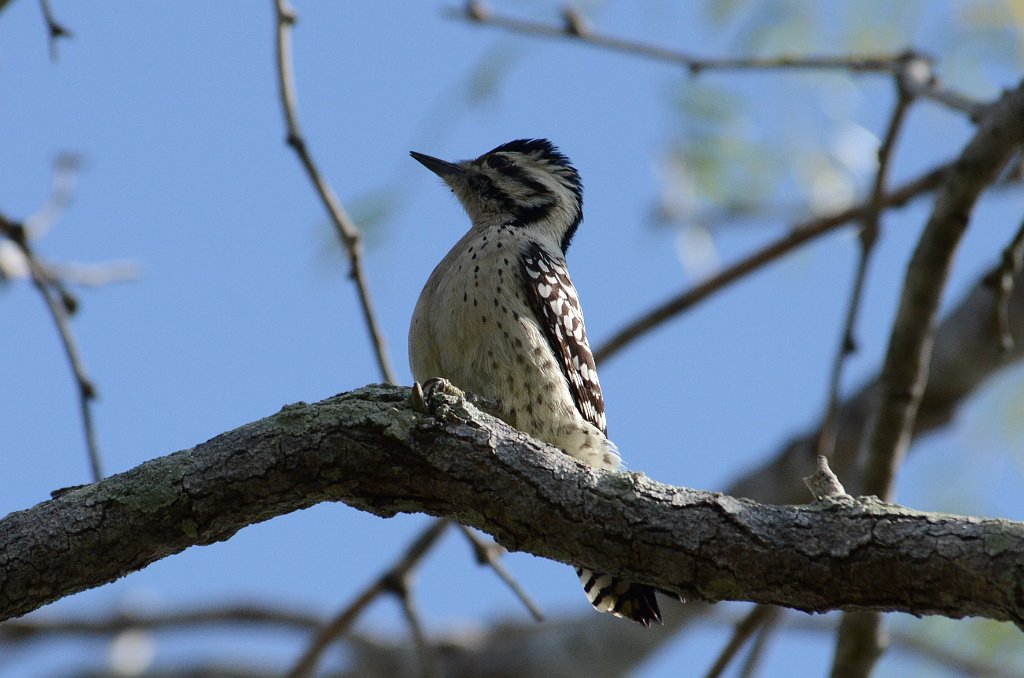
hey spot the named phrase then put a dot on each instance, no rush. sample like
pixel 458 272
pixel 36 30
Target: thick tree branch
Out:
pixel 369 449
pixel 861 639
pixel 905 372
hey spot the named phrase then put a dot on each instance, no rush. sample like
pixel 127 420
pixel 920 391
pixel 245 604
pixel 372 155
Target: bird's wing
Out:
pixel 553 298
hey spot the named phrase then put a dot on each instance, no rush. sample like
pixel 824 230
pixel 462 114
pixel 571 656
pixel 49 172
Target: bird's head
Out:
pixel 527 183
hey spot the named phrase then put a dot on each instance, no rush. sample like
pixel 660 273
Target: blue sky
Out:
pixel 243 305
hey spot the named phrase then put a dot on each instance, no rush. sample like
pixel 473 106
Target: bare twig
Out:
pixel 757 648
pixel 268 617
pixel 60 305
pixel 924 83
pixel 574 27
pixel 799 235
pixel 487 553
pixel 1003 280
pixel 860 642
pixel 745 628
pixel 868 238
pixel 55 29
pixel 349 234
pixel 917 79
pixel 824 483
pixel 400 588
pixel 42 627
pixel 340 625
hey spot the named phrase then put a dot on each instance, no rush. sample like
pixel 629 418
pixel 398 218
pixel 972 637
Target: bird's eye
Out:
pixel 498 161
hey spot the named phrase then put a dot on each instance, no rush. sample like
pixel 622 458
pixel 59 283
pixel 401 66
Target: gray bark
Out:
pixel 369 449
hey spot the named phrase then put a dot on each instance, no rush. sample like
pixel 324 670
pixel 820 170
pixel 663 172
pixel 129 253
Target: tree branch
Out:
pixel 923 83
pixel 61 305
pixel 575 27
pixel 905 372
pixel 800 234
pixel 348 232
pixel 369 449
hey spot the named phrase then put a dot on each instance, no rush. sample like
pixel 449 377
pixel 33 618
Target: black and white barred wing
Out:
pixel 553 299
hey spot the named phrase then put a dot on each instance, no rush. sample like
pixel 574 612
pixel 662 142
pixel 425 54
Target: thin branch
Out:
pixel 488 553
pixel 744 630
pixel 349 234
pixel 917 79
pixel 924 83
pixel 860 640
pixel 1003 279
pixel 263 617
pixel 397 573
pixel 424 652
pixel 60 305
pixel 915 645
pixel 868 237
pixel 574 28
pixel 42 627
pixel 800 234
pixel 758 647
pixel 54 28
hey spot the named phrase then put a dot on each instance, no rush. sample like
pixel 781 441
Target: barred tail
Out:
pixel 619 597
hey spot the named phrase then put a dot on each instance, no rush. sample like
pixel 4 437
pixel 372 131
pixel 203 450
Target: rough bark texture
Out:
pixel 369 449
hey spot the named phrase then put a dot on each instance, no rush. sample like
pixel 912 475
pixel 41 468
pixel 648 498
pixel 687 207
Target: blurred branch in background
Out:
pixel 372 653
pixel 575 27
pixel 746 628
pixel 800 234
pixel 1003 282
pixel 394 581
pixel 925 83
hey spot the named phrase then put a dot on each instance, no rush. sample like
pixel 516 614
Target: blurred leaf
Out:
pixel 722 11
pixel 879 26
pixel 701 102
pixel 486 80
pixel 778 27
pixel 371 211
pixel 714 161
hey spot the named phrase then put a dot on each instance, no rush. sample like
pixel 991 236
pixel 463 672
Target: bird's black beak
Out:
pixel 441 168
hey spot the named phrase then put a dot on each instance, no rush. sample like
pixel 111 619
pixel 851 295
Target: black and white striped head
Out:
pixel 526 182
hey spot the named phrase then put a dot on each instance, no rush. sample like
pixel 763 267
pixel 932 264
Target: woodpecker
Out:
pixel 500 317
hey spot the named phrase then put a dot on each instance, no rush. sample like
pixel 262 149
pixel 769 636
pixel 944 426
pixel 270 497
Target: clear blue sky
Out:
pixel 243 305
